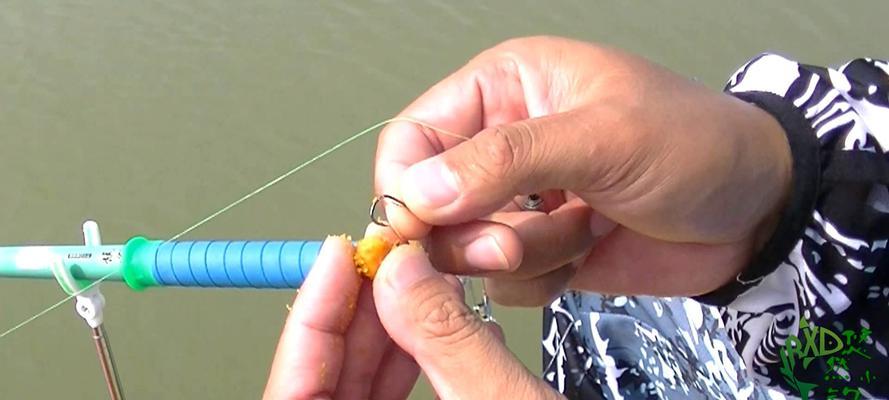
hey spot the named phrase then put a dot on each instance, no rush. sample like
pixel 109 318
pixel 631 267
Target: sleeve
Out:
pixel 826 266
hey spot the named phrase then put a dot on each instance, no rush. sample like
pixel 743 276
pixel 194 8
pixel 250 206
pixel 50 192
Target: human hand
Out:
pixel 675 184
pixel 334 345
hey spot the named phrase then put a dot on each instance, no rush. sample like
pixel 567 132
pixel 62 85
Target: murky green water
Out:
pixel 148 115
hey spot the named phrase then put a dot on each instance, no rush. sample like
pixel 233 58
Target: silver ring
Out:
pixel 533 202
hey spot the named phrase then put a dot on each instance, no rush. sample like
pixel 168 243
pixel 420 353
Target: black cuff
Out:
pixel 804 149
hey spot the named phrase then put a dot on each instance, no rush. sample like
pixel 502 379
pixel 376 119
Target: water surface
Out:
pixel 147 116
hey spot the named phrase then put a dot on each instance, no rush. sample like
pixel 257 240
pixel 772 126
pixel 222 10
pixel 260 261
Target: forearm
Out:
pixel 820 266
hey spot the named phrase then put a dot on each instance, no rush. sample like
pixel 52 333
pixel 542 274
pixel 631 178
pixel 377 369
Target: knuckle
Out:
pixel 446 319
pixel 502 151
pixel 500 148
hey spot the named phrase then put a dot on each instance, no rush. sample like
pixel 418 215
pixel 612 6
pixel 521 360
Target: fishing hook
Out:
pixel 378 214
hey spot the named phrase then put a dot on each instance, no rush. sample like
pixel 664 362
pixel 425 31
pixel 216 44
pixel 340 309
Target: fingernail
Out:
pixel 409 265
pixel 485 253
pixel 434 182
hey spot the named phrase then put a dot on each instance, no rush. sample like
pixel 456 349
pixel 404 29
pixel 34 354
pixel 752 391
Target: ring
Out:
pixel 533 202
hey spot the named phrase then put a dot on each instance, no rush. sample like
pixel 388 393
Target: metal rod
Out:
pixel 113 362
pixel 108 371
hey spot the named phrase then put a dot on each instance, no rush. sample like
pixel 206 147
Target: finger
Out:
pixel 534 243
pixel 383 231
pixel 366 343
pixel 625 262
pixel 550 240
pixel 534 292
pixel 475 248
pixel 397 375
pixel 397 372
pixel 483 174
pixel 404 224
pixel 426 316
pixel 310 352
pixel 485 92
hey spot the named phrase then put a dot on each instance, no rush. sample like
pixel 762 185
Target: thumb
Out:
pixel 480 175
pixel 425 315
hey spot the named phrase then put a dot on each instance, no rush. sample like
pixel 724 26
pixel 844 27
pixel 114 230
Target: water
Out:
pixel 147 116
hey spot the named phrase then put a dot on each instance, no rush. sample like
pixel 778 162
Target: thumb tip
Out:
pixel 405 266
pixel 429 185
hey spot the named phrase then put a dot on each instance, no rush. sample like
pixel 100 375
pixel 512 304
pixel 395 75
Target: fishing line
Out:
pixel 306 164
pixel 51 308
pixel 242 199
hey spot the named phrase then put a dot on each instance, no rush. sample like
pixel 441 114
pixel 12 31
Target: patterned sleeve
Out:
pixel 811 312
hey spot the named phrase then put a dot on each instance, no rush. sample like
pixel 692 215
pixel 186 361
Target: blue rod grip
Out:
pixel 243 264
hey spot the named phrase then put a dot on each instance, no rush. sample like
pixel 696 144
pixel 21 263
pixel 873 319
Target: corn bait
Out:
pixel 369 254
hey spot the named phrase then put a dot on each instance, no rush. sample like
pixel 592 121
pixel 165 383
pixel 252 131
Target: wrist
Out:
pixel 779 184
pixel 781 228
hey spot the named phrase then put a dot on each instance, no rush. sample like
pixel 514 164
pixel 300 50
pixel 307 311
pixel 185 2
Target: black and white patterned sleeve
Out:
pixel 811 312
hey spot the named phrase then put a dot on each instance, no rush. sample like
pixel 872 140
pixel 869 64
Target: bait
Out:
pixel 369 254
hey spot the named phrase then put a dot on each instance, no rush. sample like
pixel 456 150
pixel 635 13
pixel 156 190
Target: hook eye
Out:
pixel 378 209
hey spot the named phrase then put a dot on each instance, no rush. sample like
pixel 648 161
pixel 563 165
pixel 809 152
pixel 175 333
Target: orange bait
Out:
pixel 369 254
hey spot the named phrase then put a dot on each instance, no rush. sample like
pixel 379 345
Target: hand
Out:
pixel 676 185
pixel 333 348
pixel 333 345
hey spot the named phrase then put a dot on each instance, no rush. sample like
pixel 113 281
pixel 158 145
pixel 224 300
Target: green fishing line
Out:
pixel 241 200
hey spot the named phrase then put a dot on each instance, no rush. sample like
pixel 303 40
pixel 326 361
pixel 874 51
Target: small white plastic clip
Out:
pixel 90 303
pixel 90 306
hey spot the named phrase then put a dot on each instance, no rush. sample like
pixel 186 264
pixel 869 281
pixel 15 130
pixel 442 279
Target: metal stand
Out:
pixel 90 305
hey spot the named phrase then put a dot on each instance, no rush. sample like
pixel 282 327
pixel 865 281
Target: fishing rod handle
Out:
pixel 240 264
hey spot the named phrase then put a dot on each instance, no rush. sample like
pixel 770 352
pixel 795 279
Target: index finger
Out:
pixel 486 92
pixel 310 352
